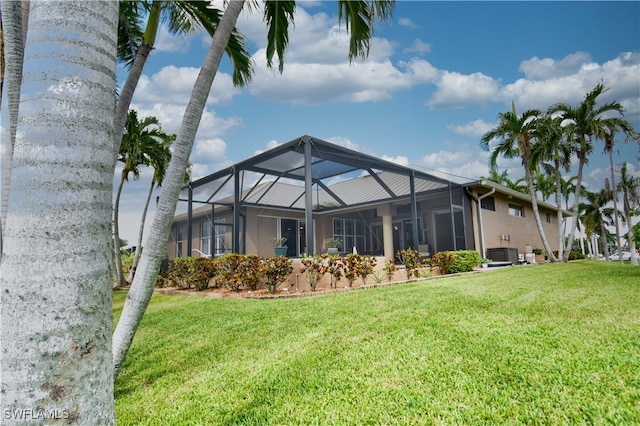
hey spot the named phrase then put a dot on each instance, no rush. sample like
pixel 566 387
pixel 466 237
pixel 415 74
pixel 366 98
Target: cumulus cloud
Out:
pixel 174 84
pixel 475 128
pixel 456 90
pixel 548 68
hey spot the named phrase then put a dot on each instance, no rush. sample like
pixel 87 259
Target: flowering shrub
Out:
pixel 275 270
pixel 314 267
pixel 410 258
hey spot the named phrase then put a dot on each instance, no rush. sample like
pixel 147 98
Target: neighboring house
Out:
pixel 374 206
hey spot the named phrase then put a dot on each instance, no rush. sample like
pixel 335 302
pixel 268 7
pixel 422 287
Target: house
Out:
pixel 308 190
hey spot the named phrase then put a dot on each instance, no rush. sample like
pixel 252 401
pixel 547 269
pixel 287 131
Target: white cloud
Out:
pixel 174 84
pixel 209 150
pixel 166 42
pixel 547 68
pixel 418 46
pixel 475 128
pixel 455 90
pixel 406 22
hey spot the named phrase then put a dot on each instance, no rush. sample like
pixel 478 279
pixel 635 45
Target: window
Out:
pixel 515 210
pixel 178 241
pixel 548 217
pixel 488 203
pixel 205 238
pixel 351 232
pixel 220 237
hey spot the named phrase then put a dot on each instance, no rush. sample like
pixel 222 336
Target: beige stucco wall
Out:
pixel 522 230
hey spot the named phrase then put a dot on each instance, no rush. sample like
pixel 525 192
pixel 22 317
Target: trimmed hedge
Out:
pixel 453 262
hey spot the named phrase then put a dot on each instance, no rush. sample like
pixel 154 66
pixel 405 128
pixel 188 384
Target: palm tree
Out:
pixel 159 164
pixel 582 125
pixel 554 154
pixel 360 16
pixel 15 15
pixel 143 144
pixel 181 17
pixel 58 227
pixel 595 216
pixel 515 135
pixel 612 125
pixel 629 186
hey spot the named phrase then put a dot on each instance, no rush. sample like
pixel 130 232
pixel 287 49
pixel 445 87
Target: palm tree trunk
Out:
pixel 117 254
pixel 144 281
pixel 536 212
pixel 126 94
pixel 55 287
pixel 604 241
pixel 136 258
pixel 615 205
pixel 559 213
pixel 576 203
pixel 13 37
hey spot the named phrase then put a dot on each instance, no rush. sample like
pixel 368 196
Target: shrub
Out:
pixel 236 270
pixel 390 269
pixel 334 267
pixel 410 258
pixel 443 260
pixel 358 265
pixel 465 261
pixel 314 267
pixel 187 272
pixel 275 270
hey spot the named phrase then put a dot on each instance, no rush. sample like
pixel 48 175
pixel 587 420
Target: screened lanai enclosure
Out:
pixel 308 190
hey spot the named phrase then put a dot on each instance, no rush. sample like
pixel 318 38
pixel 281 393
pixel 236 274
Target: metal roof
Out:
pixel 341 178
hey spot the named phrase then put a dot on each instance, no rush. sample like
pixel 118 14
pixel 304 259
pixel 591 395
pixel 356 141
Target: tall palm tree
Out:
pixel 583 125
pixel 143 144
pixel 181 17
pixel 360 16
pixel 554 154
pixel 58 238
pixel 612 125
pixel 596 217
pixel 629 187
pixel 14 19
pixel 515 134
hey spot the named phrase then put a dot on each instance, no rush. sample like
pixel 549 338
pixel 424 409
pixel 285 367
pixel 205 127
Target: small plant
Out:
pixel 537 251
pixel 485 261
pixel 378 276
pixel 334 268
pixel 410 258
pixel 333 242
pixel 390 269
pixel 444 260
pixel 275 270
pixel 279 241
pixel 314 267
pixel 357 265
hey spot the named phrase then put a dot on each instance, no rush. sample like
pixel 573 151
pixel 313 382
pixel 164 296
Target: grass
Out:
pixel 544 344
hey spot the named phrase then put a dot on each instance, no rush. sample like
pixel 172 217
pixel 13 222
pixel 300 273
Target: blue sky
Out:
pixel 436 78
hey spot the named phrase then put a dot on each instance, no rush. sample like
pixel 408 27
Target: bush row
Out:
pixel 233 271
pixel 236 271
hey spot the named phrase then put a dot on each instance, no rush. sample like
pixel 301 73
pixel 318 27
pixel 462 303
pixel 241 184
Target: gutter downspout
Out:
pixel 480 226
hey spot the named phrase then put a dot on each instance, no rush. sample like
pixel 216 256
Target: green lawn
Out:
pixel 543 344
